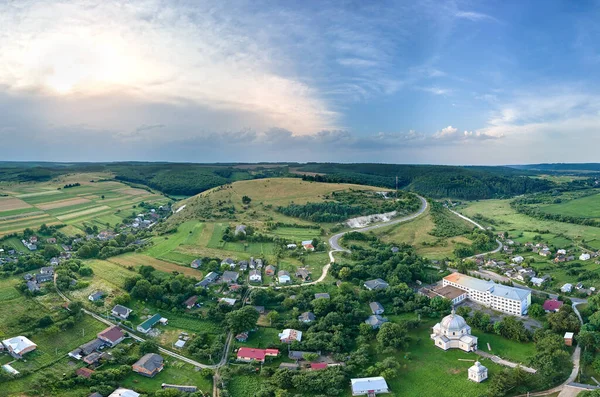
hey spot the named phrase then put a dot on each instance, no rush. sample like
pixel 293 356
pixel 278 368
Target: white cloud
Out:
pixel 436 90
pixel 473 16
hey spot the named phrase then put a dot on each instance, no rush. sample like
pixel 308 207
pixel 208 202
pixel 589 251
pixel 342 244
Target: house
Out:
pixel 121 312
pixel 240 230
pixel 191 302
pixel 376 321
pixel 560 259
pixel 284 277
pixel 47 270
pixel 51 240
pixel 561 252
pixel 44 278
pixel 85 372
pixel 376 307
pixel 255 276
pixel 525 274
pixel 270 270
pixel 234 287
pixel 196 263
pixel 292 246
pixel 303 274
pixel 308 247
pixel 584 257
pixel 242 337
pixel 19 346
pixel 112 335
pixel 317 366
pixel 243 265
pixel 538 281
pixel 297 355
pixel 566 288
pixel 248 354
pixel 579 286
pixel 260 309
pixel 149 365
pixel 376 284
pixel 92 358
pixel 96 394
pixel 568 338
pixel 207 280
pixel 252 263
pixel 322 295
pixel 518 259
pixel 91 346
pixel 307 317
pixel 96 296
pixel 545 252
pixel 54 262
pixel 33 239
pixel 229 277
pixel 121 392
pixel 259 263
pixel 184 389
pixel 290 335
pixel 552 305
pixel 76 354
pixel 180 344
pixel 477 373
pixel 32 286
pixel 228 301
pixel 369 386
pixel 149 323
pixel 228 261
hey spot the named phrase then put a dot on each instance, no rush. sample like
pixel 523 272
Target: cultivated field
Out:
pixel 585 207
pixel 29 205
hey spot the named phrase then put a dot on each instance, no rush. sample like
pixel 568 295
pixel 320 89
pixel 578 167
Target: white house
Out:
pixel 584 257
pixel 561 252
pixel 566 288
pixel 18 346
pixel 369 386
pixel 518 259
pixel 284 277
pixel 478 373
pixel 255 276
pixel 292 246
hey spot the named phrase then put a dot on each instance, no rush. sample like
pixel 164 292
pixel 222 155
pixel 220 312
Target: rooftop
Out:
pixel 469 282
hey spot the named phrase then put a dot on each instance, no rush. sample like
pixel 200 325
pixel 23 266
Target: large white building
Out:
pixel 454 333
pixel 369 386
pixel 499 297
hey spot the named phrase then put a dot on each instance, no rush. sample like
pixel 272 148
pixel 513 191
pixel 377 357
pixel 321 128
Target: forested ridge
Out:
pixel 466 183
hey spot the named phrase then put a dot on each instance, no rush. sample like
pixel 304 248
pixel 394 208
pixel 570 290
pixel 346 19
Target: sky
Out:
pixel 428 81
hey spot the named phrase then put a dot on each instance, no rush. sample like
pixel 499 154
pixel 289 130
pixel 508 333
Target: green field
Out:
pixel 585 207
pixel 48 202
pixel 175 372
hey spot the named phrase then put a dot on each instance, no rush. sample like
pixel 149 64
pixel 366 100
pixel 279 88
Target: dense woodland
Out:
pixel 470 183
pixel 467 183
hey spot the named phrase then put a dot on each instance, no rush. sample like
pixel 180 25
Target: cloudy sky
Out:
pixel 455 82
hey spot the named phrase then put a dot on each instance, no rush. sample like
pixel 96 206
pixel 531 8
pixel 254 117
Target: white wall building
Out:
pixel 454 333
pixel 584 257
pixel 478 373
pixel 369 386
pixel 510 300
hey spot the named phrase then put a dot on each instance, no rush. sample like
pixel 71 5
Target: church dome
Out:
pixel 453 323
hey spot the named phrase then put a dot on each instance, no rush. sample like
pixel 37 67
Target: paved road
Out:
pixel 479 227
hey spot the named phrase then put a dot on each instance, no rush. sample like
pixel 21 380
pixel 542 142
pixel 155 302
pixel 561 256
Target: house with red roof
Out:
pixel 248 354
pixel 112 335
pixel 552 305
pixel 317 366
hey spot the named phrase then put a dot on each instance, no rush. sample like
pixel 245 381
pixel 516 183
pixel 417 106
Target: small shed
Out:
pixel 569 338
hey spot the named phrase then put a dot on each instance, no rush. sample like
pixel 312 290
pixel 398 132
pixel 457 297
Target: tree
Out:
pixel 75 307
pixel 536 310
pixel 243 319
pixel 564 321
pixel 310 357
pixel 148 346
pixel 141 289
pixel 392 336
pixel 122 299
pixel 50 251
pixel 246 200
pixel 273 317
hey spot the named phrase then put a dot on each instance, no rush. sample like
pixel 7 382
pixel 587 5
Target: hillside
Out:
pixel 267 195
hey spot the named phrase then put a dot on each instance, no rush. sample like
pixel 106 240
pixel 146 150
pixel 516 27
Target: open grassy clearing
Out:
pixel 187 233
pixel 585 207
pixel 12 203
pixel 111 272
pixel 296 233
pixel 175 372
pixel 14 214
pixel 416 233
pixel 509 220
pixel 137 260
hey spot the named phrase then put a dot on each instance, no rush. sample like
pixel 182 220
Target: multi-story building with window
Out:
pixel 499 297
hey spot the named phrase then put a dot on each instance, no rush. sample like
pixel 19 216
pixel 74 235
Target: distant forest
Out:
pixel 466 183
pixel 185 179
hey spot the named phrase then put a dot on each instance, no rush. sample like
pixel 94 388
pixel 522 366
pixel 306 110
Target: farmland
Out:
pixel 29 205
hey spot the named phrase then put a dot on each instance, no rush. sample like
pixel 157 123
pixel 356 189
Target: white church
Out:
pixel 454 333
pixel 478 373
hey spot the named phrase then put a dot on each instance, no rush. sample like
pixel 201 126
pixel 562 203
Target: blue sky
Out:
pixel 452 82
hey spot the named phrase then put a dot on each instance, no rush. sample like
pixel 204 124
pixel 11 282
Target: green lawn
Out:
pixel 187 233
pixel 175 372
pixel 296 233
pixel 585 207
pixel 244 385
pixel 502 347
